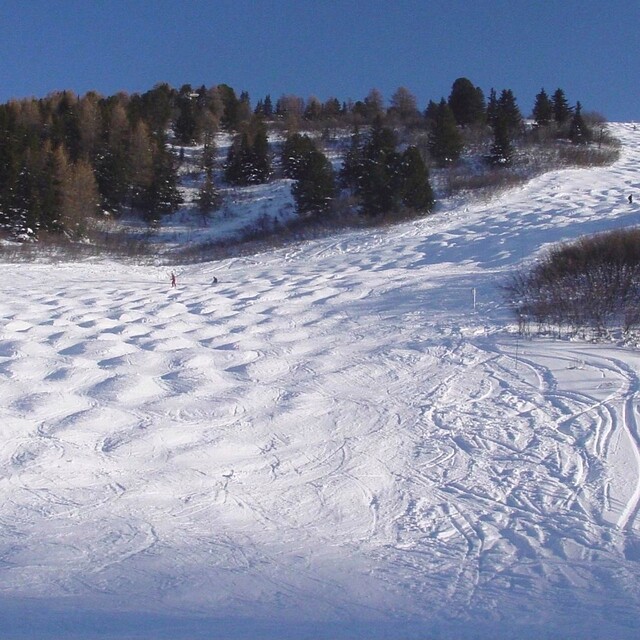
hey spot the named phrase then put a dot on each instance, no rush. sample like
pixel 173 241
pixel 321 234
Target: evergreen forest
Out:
pixel 70 164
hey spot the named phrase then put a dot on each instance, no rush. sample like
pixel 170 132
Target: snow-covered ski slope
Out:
pixel 330 442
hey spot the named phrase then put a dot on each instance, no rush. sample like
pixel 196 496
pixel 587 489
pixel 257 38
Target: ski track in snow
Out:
pixel 331 435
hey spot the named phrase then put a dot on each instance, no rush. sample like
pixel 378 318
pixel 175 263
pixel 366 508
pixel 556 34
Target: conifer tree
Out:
pixel 236 155
pixel 313 109
pixel 314 188
pixel 25 205
pixel 331 108
pixel 430 114
pixel 492 107
pixel 579 132
pixel 416 192
pixel 378 182
pixel 542 109
pixel 561 110
pixel 208 198
pixel 113 160
pixel 49 189
pixel 351 170
pixel 141 166
pixel 65 129
pixel 373 105
pixel 444 141
pixel 404 106
pixel 161 196
pixel 208 158
pixel 508 113
pixel 208 195
pixel 185 126
pixel 502 148
pixel 248 160
pixel 264 108
pixel 467 103
pixel 244 107
pixel 293 153
pixel 79 197
pixel 157 107
pixel 231 113
pixel 260 159
pixel 89 125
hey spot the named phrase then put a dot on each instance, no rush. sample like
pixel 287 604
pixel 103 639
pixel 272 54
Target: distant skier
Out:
pixel 630 199
pixel 215 280
pixel 173 279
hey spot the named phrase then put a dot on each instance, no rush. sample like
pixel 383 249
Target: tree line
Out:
pixel 65 159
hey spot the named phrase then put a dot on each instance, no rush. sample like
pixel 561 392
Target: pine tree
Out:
pixel 430 114
pixel 25 203
pixel 248 160
pixel 208 158
pixel 351 169
pixel 579 132
pixel 542 109
pixel 492 108
pixel 508 113
pixel 233 167
pixel 10 164
pixel 445 141
pixel 113 164
pixel 208 196
pixel 230 117
pixel 378 182
pixel 65 128
pixel 467 103
pixel 313 109
pixel 89 125
pixel 268 107
pixel 157 107
pixel 185 126
pixel 49 187
pixel 331 108
pixel 416 192
pixel 502 148
pixel 293 156
pixel 314 188
pixel 260 159
pixel 162 196
pixel 561 110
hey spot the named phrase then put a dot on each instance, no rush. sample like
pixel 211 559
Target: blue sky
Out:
pixel 339 48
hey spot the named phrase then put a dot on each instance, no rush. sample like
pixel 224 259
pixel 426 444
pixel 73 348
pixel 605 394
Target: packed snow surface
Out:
pixel 341 439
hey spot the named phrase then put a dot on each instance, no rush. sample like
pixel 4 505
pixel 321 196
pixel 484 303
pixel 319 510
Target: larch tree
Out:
pixel 404 106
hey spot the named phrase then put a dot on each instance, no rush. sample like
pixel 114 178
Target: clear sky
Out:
pixel 327 48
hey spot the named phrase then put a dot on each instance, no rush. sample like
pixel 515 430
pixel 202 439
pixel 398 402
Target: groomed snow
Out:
pixel 330 442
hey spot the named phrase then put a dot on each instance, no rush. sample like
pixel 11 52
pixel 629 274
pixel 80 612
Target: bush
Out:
pixel 593 283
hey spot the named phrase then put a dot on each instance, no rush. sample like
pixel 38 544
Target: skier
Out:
pixel 173 279
pixel 630 199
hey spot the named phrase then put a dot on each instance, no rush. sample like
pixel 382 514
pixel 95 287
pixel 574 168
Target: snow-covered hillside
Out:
pixel 333 441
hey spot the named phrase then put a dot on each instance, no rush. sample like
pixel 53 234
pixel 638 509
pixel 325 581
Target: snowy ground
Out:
pixel 330 442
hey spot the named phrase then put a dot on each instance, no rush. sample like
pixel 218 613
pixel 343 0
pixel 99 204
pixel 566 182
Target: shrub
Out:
pixel 593 283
